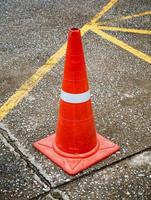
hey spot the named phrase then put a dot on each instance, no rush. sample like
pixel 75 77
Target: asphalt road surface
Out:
pixel 116 37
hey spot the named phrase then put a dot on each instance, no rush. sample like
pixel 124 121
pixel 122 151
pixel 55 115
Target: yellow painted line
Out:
pixel 126 17
pixel 87 26
pixel 121 44
pixel 26 87
pixel 103 11
pixel 31 83
pixel 127 30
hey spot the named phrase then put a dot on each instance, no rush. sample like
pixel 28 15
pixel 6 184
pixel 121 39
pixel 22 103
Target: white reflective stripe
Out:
pixel 75 98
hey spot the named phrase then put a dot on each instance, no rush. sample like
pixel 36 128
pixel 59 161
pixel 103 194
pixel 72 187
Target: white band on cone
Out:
pixel 75 98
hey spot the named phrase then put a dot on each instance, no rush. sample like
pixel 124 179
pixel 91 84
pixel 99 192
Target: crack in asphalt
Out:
pixel 24 157
pixel 44 180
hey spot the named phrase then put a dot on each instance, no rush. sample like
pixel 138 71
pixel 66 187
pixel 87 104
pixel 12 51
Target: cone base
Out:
pixel 73 165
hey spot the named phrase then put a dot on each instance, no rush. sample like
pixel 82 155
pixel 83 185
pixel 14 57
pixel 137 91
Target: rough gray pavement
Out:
pixel 17 179
pixel 127 180
pixel 120 86
pixel 31 31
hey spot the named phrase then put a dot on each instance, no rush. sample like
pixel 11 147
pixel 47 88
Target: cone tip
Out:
pixel 74 29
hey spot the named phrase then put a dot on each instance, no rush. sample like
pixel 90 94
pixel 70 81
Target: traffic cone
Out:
pixel 75 146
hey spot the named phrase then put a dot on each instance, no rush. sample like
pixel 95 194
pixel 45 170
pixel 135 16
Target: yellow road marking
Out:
pixel 23 91
pixel 126 17
pixel 128 30
pixel 103 11
pixel 87 26
pixel 30 83
pixel 121 44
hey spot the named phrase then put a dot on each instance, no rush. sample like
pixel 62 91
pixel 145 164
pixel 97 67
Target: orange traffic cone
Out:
pixel 76 145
